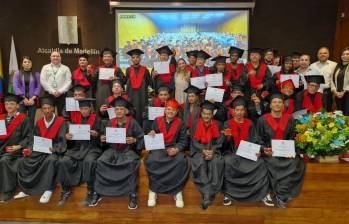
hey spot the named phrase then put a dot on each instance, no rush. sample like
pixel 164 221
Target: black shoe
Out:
pixel 7 196
pixel 227 201
pixel 205 203
pixel 88 198
pixel 94 200
pixel 132 204
pixel 64 197
pixel 280 203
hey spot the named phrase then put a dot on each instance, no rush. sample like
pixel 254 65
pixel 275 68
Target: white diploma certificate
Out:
pixel 42 145
pixel 154 143
pixel 283 148
pixel 162 67
pixel 155 112
pixel 274 69
pixel 71 104
pixel 198 82
pixel 115 135
pixel 80 131
pixel 3 130
pixel 106 73
pixel 214 79
pixel 111 113
pixel 248 150
pixel 215 94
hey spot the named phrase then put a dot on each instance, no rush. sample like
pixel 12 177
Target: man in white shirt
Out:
pixel 56 80
pixel 326 69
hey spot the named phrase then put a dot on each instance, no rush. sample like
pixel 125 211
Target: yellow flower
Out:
pixel 331 125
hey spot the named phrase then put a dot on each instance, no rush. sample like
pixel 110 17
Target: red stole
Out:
pixel 278 128
pixel 91 119
pixel 114 124
pixel 168 136
pixel 50 134
pixel 257 79
pixel 136 80
pixel 157 102
pixel 239 131
pixel 116 68
pixel 290 108
pixel 166 78
pixel 204 134
pixel 312 107
pixel 195 72
pixel 278 78
pixel 78 76
pixel 11 126
pixel 235 73
pixel 189 68
pixel 111 98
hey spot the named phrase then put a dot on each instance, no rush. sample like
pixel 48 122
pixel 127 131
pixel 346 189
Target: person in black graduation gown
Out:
pixel 117 168
pixel 37 172
pixel 103 89
pixel 168 169
pixel 206 160
pixel 79 92
pixel 79 162
pixel 138 80
pixel 168 78
pixel 192 57
pixel 244 180
pixel 257 106
pixel 235 68
pixel 310 98
pixel 84 75
pixel 201 69
pixel 16 138
pixel 191 108
pixel 286 174
pixel 287 91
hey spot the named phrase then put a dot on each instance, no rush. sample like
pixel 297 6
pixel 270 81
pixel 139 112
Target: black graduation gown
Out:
pixel 37 172
pixel 103 88
pixel 252 111
pixel 300 98
pixel 90 90
pixel 147 124
pixel 168 174
pixel 194 118
pixel 286 175
pixel 9 162
pixel 244 180
pixel 79 162
pixel 138 97
pixel 267 81
pixel 117 169
pixel 207 175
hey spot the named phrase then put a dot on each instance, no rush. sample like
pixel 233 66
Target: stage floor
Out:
pixel 324 199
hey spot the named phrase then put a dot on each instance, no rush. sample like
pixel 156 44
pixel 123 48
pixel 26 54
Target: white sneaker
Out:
pixel 46 196
pixel 268 201
pixel 151 199
pixel 21 195
pixel 179 200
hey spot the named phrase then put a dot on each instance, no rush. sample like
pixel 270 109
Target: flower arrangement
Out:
pixel 323 134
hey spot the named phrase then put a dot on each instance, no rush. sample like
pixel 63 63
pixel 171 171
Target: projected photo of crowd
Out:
pixel 213 32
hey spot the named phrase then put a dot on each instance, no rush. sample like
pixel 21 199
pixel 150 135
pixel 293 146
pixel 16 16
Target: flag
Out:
pixel 13 66
pixel 1 87
pixel 1 71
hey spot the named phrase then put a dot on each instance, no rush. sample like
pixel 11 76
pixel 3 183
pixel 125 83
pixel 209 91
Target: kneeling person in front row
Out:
pixel 118 167
pixel 168 168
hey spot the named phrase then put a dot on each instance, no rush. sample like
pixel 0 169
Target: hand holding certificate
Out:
pixel 162 67
pixel 154 142
pixel 3 130
pixel 283 148
pixel 215 94
pixel 106 73
pixel 111 113
pixel 71 104
pixel 155 112
pixel 115 135
pixel 248 150
pixel 214 79
pixel 80 131
pixel 42 145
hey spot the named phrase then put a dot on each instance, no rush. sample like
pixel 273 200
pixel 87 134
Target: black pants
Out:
pixel 59 102
pixel 343 104
pixel 327 99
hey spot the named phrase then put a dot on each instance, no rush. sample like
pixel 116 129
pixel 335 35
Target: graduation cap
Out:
pixel 120 102
pixel 164 88
pixel 87 102
pixel 107 50
pixel 79 87
pixel 192 89
pixel 318 79
pixel 203 54
pixel 84 55
pixel 236 88
pixel 296 55
pixel 233 50
pixel 48 100
pixel 276 96
pixel 238 101
pixel 220 59
pixel 288 83
pixel 12 98
pixel 193 53
pixel 164 50
pixel 255 50
pixel 208 105
pixel 134 52
pixel 172 103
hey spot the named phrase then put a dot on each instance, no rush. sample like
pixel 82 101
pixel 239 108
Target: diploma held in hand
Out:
pixel 42 145
pixel 116 135
pixel 248 150
pixel 3 130
pixel 111 113
pixel 198 82
pixel 214 79
pixel 215 94
pixel 283 148
pixel 80 131
pixel 106 73
pixel 155 112
pixel 162 67
pixel 154 143
pixel 71 104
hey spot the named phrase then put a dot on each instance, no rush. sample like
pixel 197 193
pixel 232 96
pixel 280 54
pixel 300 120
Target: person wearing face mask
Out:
pixel 325 67
pixel 26 84
pixel 340 83
pixel 286 174
pixel 56 79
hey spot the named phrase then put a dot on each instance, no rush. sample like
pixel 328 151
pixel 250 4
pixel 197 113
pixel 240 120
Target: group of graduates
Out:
pixel 200 136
